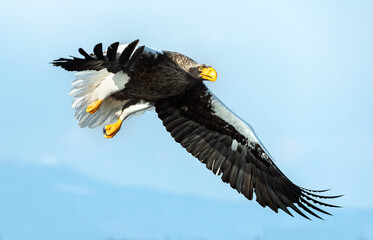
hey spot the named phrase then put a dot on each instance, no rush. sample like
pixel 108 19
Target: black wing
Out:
pixel 112 61
pixel 226 144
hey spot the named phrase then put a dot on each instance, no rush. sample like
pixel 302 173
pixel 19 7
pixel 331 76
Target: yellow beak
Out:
pixel 208 73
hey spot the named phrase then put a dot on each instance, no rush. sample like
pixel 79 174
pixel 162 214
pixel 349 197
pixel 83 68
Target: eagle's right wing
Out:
pixel 207 129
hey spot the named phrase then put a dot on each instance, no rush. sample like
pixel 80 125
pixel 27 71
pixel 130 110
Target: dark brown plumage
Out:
pixel 128 80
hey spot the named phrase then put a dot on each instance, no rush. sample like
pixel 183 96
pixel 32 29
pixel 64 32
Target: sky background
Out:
pixel 300 72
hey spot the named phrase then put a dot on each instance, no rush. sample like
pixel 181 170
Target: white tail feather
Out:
pixel 89 86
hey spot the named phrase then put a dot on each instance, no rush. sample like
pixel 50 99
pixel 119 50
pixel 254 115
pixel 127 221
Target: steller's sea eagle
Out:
pixel 128 79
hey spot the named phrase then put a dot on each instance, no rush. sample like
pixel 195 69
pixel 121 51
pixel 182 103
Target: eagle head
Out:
pixel 203 72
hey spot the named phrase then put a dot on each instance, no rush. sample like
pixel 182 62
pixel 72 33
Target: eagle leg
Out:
pixel 128 109
pixel 112 129
pixel 92 108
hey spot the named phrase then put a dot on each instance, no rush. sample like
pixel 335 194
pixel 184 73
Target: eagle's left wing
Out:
pixel 226 144
pixel 100 75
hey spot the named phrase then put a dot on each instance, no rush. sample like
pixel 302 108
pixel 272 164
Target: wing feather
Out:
pixel 127 52
pixel 85 54
pixel 112 51
pixel 98 51
pixel 226 144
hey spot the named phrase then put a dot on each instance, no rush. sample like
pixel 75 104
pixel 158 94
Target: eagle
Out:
pixel 128 79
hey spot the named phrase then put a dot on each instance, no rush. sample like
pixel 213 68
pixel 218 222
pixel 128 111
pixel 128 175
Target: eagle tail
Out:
pixel 86 89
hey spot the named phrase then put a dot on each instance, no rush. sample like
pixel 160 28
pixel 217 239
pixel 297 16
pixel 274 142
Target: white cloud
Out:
pixel 48 160
pixel 42 159
pixel 75 189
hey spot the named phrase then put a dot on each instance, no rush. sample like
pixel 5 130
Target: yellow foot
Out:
pixel 94 106
pixel 112 129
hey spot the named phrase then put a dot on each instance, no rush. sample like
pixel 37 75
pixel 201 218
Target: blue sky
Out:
pixel 300 72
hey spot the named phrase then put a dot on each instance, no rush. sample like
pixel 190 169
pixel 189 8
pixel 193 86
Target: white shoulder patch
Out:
pixel 240 125
pixel 228 116
pixel 147 50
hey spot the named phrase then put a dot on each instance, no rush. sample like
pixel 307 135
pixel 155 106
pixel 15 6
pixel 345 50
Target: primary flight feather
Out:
pixel 128 79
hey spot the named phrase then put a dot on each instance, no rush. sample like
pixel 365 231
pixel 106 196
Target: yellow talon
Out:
pixel 112 129
pixel 94 106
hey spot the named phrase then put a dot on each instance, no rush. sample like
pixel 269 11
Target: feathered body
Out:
pixel 157 77
pixel 128 79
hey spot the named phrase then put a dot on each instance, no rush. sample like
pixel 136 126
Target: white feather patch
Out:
pixel 109 112
pixel 234 145
pixel 151 51
pixel 228 116
pixel 135 110
pixel 147 50
pixel 111 83
pixel 91 86
pixel 241 126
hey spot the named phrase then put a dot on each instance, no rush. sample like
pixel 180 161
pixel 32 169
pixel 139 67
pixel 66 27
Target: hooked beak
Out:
pixel 208 73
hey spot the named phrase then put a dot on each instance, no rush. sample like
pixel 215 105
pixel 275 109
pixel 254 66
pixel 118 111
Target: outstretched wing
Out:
pixel 226 144
pixel 100 75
